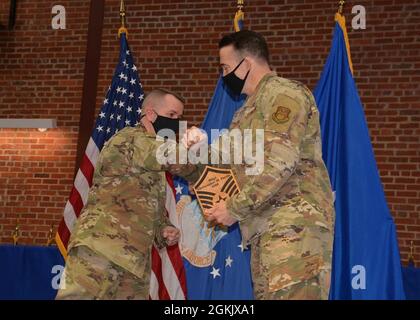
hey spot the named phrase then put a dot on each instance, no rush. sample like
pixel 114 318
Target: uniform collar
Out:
pixel 263 81
pixel 140 126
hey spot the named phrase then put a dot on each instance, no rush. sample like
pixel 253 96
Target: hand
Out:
pixel 174 169
pixel 192 136
pixel 180 169
pixel 191 189
pixel 171 235
pixel 219 214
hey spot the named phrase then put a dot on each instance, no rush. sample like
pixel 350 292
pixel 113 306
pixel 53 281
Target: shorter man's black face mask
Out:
pixel 162 122
pixel 233 82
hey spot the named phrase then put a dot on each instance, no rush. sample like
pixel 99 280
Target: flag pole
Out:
pixel 239 16
pixel 122 29
pixel 240 5
pixel 16 235
pixel 341 20
pixel 411 257
pixel 341 5
pixel 50 238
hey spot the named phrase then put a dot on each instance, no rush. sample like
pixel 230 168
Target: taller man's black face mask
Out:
pixel 233 82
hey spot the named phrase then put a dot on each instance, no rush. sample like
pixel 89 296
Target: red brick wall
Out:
pixel 4 14
pixel 41 73
pixel 175 46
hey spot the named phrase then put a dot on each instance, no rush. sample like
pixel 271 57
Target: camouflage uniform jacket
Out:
pixel 294 174
pixel 125 210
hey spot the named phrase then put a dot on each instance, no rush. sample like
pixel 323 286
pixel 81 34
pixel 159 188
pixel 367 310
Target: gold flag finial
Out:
pixel 411 257
pixel 239 16
pixel 122 29
pixel 50 236
pixel 16 235
pixel 341 5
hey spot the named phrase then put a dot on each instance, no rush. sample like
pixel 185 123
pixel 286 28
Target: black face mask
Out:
pixel 235 84
pixel 166 123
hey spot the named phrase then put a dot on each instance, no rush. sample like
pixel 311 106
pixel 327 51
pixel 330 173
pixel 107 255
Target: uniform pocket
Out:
pixel 294 249
pixel 93 272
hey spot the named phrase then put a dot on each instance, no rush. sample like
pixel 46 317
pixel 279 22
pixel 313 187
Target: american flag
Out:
pixel 121 108
pixel 168 279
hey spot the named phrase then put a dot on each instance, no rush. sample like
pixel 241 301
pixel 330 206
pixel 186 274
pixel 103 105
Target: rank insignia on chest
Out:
pixel 281 115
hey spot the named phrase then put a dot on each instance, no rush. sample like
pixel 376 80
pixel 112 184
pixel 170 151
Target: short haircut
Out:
pixel 160 93
pixel 247 42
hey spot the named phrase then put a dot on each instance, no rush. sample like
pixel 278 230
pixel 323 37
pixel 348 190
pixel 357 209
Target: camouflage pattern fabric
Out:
pixel 289 206
pixel 285 212
pixel 90 276
pixel 125 211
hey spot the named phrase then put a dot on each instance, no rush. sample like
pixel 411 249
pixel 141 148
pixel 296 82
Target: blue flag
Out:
pixel 29 272
pixel 411 276
pixel 224 270
pixel 228 275
pixel 221 109
pixel 366 259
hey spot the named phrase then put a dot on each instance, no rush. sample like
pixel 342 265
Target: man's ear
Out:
pixel 151 115
pixel 249 63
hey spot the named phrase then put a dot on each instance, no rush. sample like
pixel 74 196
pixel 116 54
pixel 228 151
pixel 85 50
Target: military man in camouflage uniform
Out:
pixel 109 250
pixel 286 212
